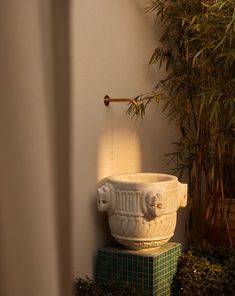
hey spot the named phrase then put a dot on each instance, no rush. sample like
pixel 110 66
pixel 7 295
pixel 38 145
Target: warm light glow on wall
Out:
pixel 119 151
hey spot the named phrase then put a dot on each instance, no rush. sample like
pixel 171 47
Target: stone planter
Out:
pixel 142 207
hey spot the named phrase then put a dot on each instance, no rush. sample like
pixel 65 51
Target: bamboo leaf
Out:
pixel 232 22
pixel 197 55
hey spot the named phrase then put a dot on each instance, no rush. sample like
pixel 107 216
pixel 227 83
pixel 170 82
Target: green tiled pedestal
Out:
pixel 152 270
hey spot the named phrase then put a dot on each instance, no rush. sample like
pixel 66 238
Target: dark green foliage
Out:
pixel 87 287
pixel 207 272
pixel 198 93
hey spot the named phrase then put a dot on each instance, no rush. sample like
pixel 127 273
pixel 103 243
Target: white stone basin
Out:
pixel 142 207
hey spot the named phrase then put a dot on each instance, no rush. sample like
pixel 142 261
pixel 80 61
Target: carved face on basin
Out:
pixel 155 203
pixel 104 197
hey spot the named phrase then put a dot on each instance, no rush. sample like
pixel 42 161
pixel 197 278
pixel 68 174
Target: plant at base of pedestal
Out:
pixel 87 287
pixel 206 272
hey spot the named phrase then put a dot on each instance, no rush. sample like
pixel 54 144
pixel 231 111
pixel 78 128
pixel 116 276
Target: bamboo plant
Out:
pixel 198 51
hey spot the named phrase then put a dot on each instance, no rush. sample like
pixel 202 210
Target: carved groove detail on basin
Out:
pixel 142 208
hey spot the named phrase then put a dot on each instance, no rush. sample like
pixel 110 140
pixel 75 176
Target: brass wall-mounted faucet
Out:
pixel 107 100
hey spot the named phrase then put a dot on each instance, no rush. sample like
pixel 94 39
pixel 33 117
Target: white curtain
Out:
pixel 34 148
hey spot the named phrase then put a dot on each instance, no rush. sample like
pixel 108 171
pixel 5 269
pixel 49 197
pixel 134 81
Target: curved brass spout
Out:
pixel 107 100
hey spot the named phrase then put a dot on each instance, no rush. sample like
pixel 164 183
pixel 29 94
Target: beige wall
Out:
pixel 112 42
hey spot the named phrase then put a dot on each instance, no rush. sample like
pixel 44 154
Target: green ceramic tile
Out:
pixel 152 270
